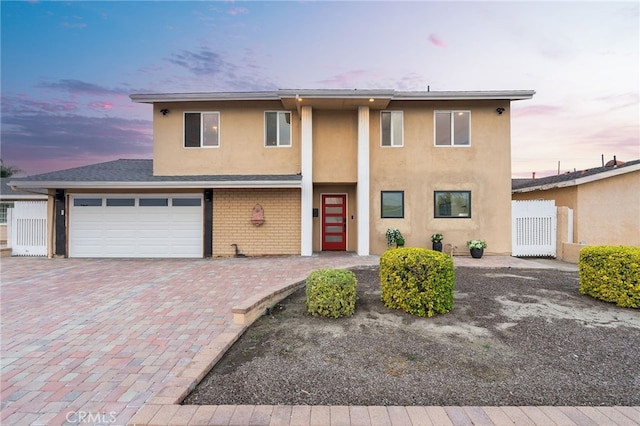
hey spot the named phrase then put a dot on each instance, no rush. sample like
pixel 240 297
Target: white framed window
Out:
pixel 453 128
pixel 201 129
pixel 3 211
pixel 391 128
pixel 277 128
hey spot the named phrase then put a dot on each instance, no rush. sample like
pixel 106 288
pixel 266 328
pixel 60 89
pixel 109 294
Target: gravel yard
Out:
pixel 515 337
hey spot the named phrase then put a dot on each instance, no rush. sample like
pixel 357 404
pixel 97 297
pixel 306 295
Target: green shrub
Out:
pixel 331 293
pixel 611 274
pixel 417 281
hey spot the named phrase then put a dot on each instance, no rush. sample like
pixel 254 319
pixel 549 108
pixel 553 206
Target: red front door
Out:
pixel 334 222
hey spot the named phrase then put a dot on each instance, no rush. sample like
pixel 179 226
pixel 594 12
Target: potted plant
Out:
pixel 394 237
pixel 476 247
pixel 436 240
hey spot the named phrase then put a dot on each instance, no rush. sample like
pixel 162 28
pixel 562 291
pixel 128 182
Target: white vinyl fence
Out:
pixel 534 227
pixel 29 228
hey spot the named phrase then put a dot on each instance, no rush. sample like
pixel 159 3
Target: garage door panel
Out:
pixel 135 231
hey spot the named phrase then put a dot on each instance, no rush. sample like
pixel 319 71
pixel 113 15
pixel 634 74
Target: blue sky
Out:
pixel 68 68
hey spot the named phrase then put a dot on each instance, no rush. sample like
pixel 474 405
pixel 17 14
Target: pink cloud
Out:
pixel 23 104
pixel 437 41
pixel 101 105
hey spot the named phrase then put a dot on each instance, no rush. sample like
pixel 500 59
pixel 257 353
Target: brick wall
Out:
pixel 232 212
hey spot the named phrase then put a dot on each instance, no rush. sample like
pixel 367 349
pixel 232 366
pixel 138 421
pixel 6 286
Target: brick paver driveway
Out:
pixel 89 341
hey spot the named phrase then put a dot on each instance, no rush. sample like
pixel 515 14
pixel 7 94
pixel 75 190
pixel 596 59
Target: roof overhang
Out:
pixel 23 197
pixel 511 95
pixel 169 185
pixel 334 99
pixel 580 180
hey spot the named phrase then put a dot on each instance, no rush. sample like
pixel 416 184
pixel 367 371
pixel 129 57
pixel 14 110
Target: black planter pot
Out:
pixel 476 253
pixel 437 246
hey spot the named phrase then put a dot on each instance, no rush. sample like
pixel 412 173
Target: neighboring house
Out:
pixel 8 197
pixel 605 201
pixel 296 172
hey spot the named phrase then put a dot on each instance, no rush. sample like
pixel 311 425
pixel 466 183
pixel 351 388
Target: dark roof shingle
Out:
pixel 138 171
pixel 528 183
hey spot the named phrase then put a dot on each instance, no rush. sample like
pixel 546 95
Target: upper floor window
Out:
pixel 391 128
pixel 201 129
pixel 277 128
pixel 453 128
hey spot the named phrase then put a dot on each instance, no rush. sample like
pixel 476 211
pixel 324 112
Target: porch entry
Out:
pixel 334 222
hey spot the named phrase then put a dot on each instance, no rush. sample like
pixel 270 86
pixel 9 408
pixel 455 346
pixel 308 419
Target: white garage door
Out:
pixel 135 226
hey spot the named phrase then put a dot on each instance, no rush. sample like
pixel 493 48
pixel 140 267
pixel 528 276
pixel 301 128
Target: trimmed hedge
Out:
pixel 417 281
pixel 611 273
pixel 331 293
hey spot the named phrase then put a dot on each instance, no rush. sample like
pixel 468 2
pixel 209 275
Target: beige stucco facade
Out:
pixel 241 150
pixel 322 188
pixel 606 210
pixel 418 167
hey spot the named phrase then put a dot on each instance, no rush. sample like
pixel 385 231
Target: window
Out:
pixel 201 129
pixel 87 202
pixel 121 202
pixel 3 211
pixel 277 128
pixel 392 204
pixel 153 202
pixel 453 204
pixel 453 128
pixel 186 202
pixel 391 128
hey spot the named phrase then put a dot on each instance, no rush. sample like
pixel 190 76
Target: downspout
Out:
pixel 60 248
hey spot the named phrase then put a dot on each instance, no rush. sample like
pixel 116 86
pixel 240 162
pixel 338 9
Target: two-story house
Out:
pixel 295 172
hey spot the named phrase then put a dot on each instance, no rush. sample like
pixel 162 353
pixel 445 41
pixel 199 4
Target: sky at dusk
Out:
pixel 68 68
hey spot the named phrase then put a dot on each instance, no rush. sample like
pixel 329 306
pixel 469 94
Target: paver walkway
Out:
pixel 93 341
pixel 103 336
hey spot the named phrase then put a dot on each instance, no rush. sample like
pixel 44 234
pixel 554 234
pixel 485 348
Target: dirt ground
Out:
pixel 514 337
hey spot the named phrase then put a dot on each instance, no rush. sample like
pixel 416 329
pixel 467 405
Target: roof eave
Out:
pixel 160 184
pixel 22 197
pixel 579 181
pixel 202 97
pixel 512 95
pixel 334 94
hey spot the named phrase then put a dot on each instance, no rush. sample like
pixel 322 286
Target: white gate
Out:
pixel 29 228
pixel 534 225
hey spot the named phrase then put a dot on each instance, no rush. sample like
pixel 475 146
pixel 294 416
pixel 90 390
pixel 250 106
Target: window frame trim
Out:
pixel 184 129
pixel 382 216
pixel 435 210
pixel 7 205
pixel 452 124
pixel 391 111
pixel 277 145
